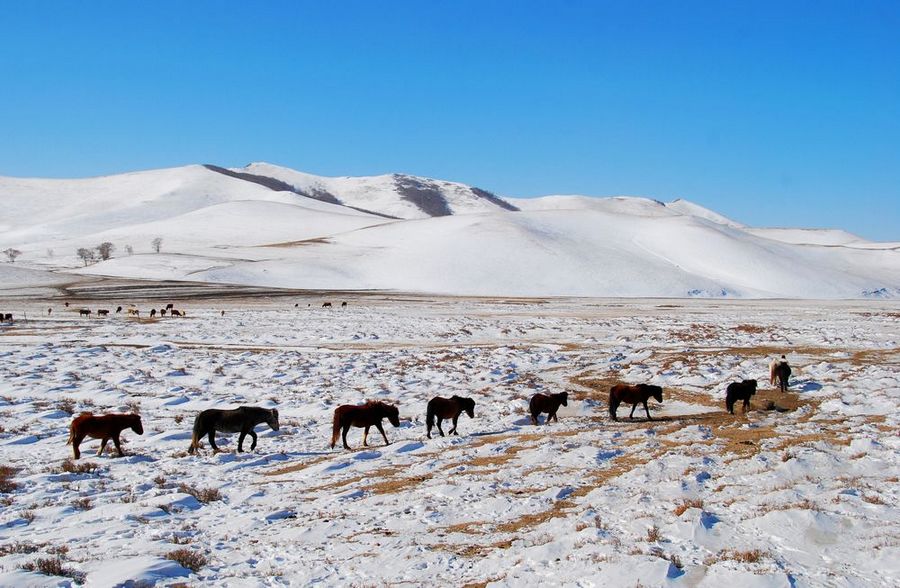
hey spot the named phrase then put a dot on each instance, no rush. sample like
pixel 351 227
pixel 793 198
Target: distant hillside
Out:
pixel 271 226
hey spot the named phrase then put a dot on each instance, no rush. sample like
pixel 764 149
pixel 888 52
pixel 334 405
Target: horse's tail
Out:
pixel 335 428
pixel 429 416
pixel 196 435
pixel 71 434
pixel 613 403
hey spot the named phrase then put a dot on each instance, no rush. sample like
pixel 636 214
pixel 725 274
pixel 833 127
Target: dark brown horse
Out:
pixel 783 374
pixel 363 415
pixel 447 408
pixel 635 394
pixel 548 403
pixel 103 427
pixel 739 391
pixel 239 420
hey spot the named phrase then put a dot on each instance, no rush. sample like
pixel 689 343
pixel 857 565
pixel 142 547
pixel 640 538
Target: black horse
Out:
pixel 739 391
pixel 447 408
pixel 239 420
pixel 548 403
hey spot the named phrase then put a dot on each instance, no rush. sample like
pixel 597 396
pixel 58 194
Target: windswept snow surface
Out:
pixel 263 225
pixel 803 495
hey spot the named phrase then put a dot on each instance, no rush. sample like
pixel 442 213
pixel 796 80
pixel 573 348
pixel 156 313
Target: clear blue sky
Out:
pixel 773 113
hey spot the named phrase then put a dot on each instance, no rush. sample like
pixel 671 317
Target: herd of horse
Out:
pixel 244 419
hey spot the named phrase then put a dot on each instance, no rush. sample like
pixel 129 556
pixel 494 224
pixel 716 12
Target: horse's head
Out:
pixel 655 392
pixel 393 414
pixel 136 425
pixel 469 406
pixel 563 398
pixel 272 421
pixel 752 385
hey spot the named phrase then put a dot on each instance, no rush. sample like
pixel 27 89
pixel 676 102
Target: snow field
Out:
pixel 697 497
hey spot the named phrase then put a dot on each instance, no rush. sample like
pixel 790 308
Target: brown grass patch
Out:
pixel 686 504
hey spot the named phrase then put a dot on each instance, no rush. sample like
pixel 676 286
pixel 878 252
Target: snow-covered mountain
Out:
pixel 272 226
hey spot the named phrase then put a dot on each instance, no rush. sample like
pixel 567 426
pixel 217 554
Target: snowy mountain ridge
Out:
pixel 272 226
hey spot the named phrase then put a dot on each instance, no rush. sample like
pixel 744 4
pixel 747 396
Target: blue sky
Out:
pixel 773 113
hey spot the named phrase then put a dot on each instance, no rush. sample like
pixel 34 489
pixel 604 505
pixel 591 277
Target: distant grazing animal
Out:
pixel 783 375
pixel 239 420
pixel 162 312
pixel 174 312
pixel 739 391
pixel 548 403
pixel 102 312
pixel 67 305
pixel 49 310
pixel 223 313
pixel 118 310
pixel 85 312
pixel 296 304
pixel 134 312
pixel 635 394
pixel 152 312
pixel 170 306
pixel 103 427
pixel 363 415
pixel 326 305
pixel 344 304
pixel 447 408
pixel 6 317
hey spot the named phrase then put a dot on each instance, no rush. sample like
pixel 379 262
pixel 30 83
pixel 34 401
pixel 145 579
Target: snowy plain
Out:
pixel 804 495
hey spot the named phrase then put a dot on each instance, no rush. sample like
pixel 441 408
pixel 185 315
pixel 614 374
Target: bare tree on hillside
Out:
pixel 129 250
pixel 12 254
pixel 105 250
pixel 157 244
pixel 85 254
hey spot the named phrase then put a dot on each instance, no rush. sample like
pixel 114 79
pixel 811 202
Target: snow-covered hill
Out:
pixel 270 226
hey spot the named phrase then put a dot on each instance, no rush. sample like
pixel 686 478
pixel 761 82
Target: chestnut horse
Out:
pixel 239 420
pixel 363 415
pixel 548 403
pixel 447 408
pixel 635 394
pixel 104 427
pixel 739 391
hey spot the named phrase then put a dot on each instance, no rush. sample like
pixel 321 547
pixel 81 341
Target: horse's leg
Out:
pixel 534 416
pixel 453 430
pixel 633 406
pixel 647 410
pixel 549 418
pixel 366 436
pixel 252 434
pixel 555 418
pixel 118 443
pixel 102 446
pixel 212 440
pixel 440 430
pixel 381 430
pixel 241 441
pixel 75 443
pixel 344 436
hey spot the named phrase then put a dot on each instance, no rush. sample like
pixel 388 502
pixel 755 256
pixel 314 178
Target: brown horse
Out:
pixel 363 415
pixel 239 420
pixel 739 391
pixel 447 408
pixel 635 394
pixel 783 374
pixel 104 427
pixel 548 403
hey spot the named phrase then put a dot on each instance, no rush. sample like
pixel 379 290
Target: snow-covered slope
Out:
pixel 270 226
pixel 395 195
